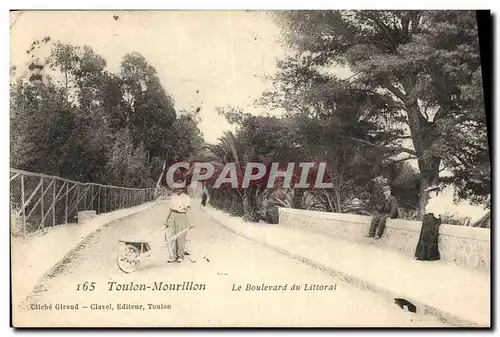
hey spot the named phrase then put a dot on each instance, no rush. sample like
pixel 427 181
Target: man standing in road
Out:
pixel 177 222
pixel 204 195
pixel 389 210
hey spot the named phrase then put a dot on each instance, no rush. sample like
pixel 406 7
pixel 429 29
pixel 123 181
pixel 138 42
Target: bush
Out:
pixel 236 207
pixel 272 215
pixel 450 219
pixel 408 214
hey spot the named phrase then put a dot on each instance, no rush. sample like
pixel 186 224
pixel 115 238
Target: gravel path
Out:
pixel 220 261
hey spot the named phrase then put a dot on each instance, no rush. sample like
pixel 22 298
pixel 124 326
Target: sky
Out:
pixel 204 59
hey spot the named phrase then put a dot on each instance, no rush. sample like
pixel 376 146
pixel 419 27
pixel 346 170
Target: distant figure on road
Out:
pixel 204 195
pixel 427 247
pixel 389 210
pixel 177 221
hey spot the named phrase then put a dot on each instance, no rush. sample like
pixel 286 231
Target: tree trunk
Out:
pixel 423 136
pixel 429 175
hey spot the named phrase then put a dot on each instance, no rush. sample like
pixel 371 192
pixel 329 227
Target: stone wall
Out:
pixel 466 246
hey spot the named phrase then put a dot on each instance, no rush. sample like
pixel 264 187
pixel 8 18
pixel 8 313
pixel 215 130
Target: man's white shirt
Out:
pixel 180 202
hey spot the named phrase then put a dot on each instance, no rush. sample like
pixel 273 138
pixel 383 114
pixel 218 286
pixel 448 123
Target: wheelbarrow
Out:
pixel 133 250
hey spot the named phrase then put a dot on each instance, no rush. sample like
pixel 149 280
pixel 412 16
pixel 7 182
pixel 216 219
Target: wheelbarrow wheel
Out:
pixel 128 258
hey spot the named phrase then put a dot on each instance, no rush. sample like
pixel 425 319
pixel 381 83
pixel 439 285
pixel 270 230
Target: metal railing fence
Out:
pixel 38 200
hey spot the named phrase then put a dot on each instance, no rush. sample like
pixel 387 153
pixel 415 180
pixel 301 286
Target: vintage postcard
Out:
pixel 250 169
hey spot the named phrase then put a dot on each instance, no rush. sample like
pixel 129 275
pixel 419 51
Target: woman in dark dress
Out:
pixel 427 247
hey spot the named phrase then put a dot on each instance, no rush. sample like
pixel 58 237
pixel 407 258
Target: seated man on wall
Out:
pixel 389 210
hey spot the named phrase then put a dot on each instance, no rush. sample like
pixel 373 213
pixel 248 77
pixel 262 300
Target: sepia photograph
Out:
pixel 250 169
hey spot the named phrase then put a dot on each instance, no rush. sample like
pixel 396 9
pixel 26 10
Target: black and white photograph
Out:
pixel 250 168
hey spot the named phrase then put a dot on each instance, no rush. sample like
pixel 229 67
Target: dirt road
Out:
pixel 219 263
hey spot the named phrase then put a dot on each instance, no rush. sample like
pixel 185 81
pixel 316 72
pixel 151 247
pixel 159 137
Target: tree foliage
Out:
pixel 416 76
pixel 350 166
pixel 73 118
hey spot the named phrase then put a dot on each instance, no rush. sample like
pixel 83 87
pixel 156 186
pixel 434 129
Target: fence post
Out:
pixel 66 206
pixel 41 200
pixel 54 203
pixel 105 200
pixel 23 210
pixel 85 199
pixel 99 201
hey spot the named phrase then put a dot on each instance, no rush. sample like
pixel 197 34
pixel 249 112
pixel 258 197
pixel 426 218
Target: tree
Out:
pixel 350 166
pixel 416 66
pixel 325 119
pixel 82 70
pixel 40 127
pixel 71 117
pixel 150 111
pixel 83 80
pixel 187 136
pixel 311 137
pixel 127 163
pixel 231 149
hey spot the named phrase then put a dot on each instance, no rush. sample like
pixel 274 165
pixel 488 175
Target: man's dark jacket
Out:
pixel 390 207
